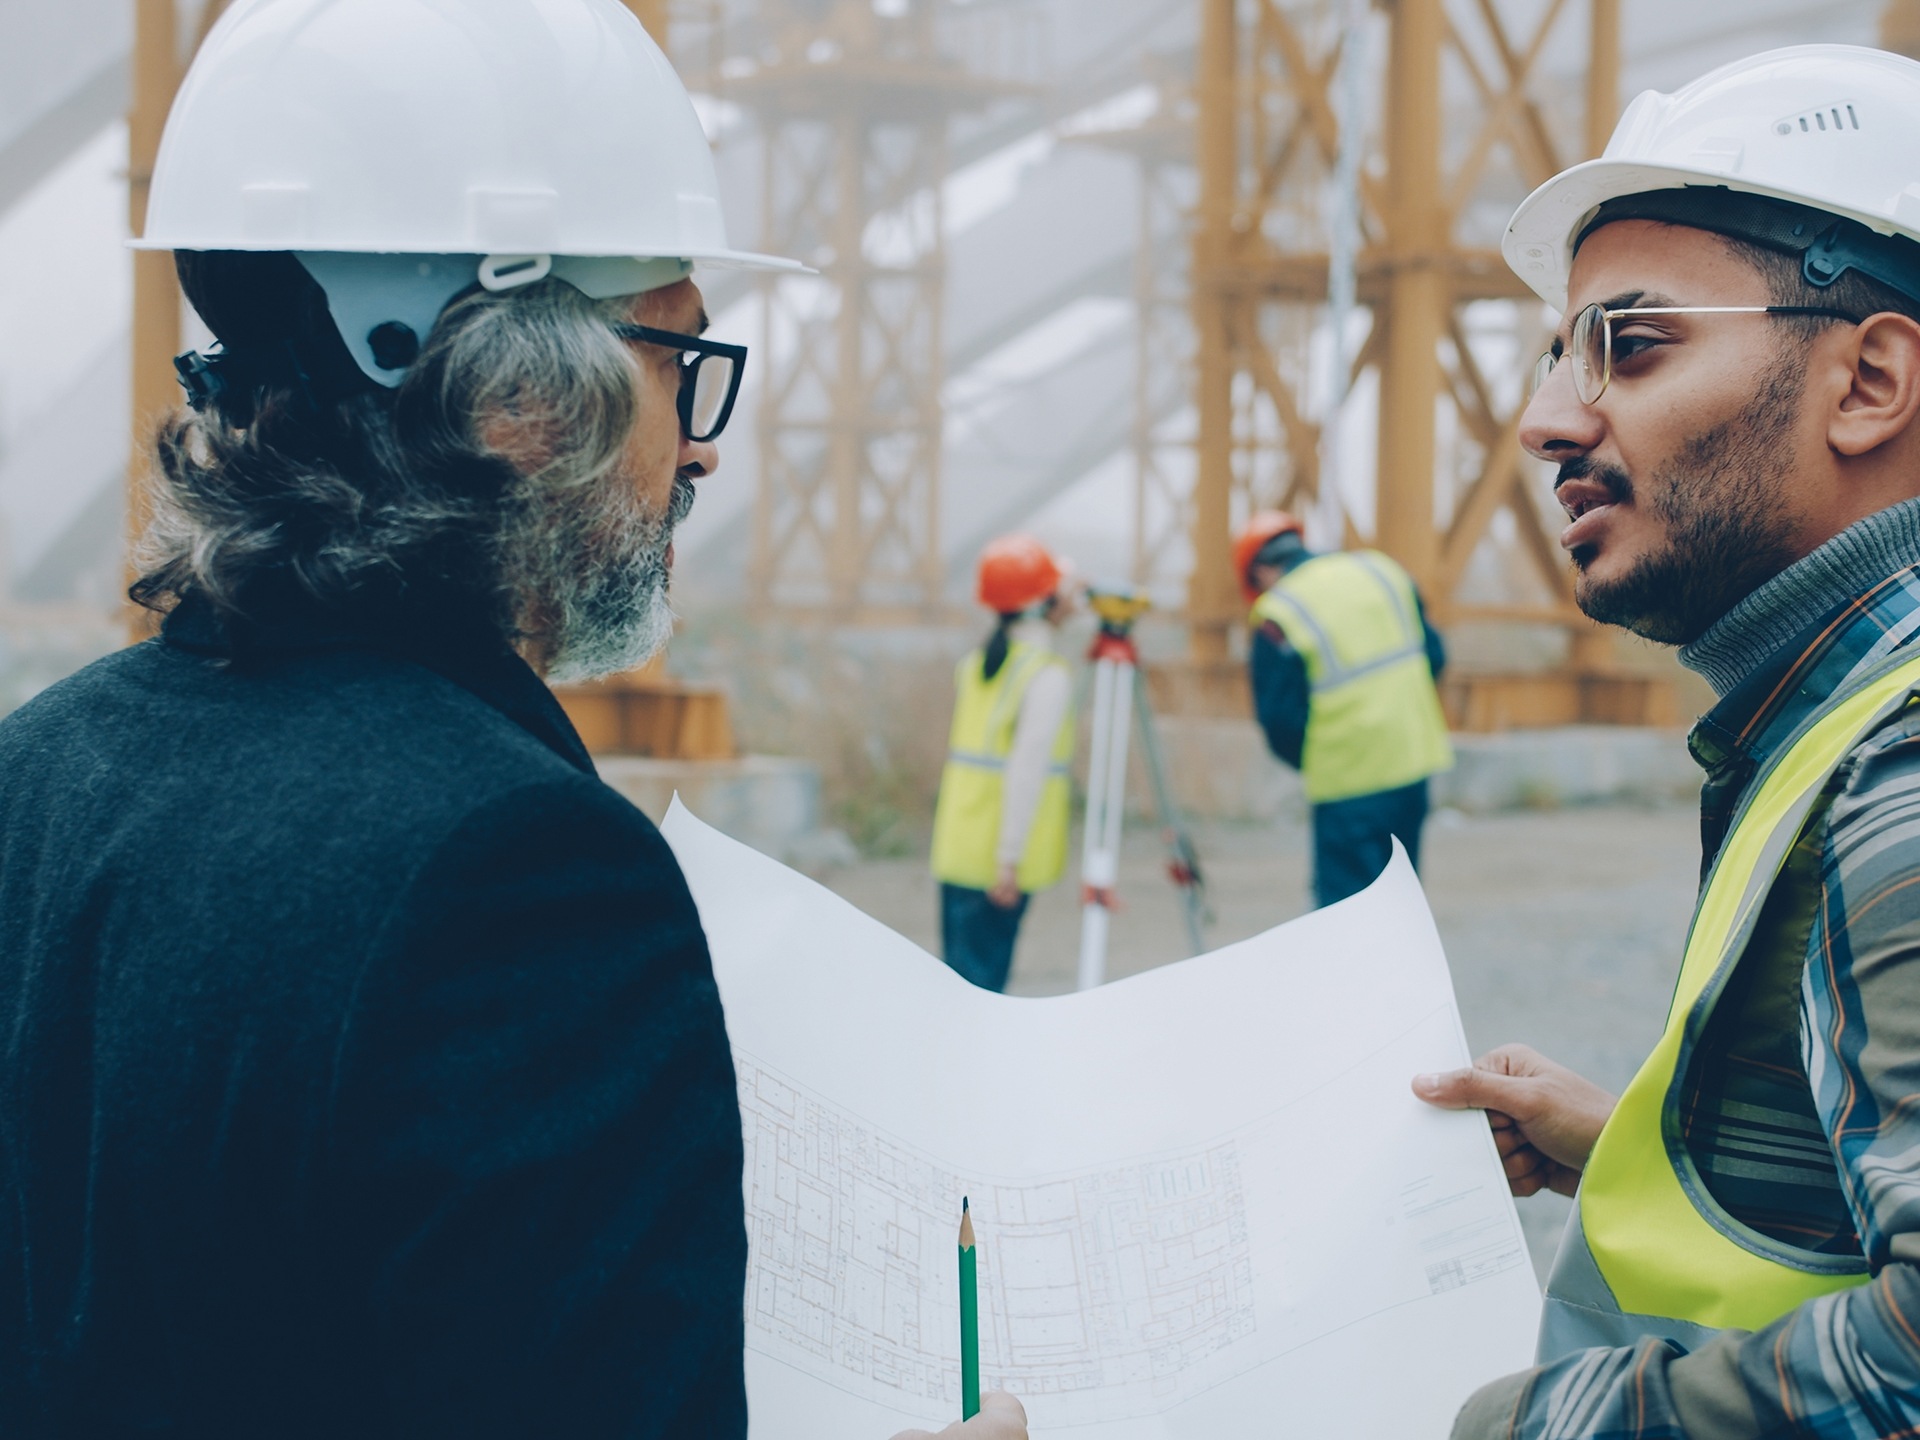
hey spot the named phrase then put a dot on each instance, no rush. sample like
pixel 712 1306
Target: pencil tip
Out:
pixel 963 1204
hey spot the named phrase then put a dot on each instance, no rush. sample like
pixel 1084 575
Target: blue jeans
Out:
pixel 1353 838
pixel 977 936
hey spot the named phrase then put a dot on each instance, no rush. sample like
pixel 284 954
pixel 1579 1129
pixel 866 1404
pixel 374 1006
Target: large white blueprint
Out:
pixel 1208 1205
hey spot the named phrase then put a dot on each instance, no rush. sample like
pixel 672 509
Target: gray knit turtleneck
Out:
pixel 1846 566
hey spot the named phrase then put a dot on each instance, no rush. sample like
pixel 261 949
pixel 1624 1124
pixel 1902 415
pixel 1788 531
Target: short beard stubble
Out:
pixel 597 563
pixel 1722 501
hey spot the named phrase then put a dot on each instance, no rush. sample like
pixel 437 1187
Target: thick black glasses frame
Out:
pixel 702 350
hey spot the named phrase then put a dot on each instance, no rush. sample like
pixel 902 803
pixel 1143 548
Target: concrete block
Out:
pixel 770 802
pixel 1569 765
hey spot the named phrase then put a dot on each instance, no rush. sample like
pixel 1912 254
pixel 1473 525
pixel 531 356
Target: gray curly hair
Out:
pixel 492 476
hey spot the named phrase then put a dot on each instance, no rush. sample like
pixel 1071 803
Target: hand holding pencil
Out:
pixel 987 1417
pixel 1001 1417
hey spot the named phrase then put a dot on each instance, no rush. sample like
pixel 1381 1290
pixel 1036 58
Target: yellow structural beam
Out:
pixel 1900 27
pixel 1212 595
pixel 653 15
pixel 1265 144
pixel 156 293
pixel 1603 74
pixel 1418 300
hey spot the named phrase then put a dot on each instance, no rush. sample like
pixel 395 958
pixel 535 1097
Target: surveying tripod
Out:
pixel 1116 691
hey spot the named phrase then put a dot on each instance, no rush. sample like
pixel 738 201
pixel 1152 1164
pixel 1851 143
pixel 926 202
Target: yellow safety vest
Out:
pixel 1374 720
pixel 1649 1253
pixel 966 821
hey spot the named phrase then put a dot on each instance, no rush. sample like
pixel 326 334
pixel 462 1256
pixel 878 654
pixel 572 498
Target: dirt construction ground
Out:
pixel 1563 928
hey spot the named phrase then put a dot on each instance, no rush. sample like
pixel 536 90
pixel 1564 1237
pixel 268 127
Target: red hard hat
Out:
pixel 1262 526
pixel 1016 572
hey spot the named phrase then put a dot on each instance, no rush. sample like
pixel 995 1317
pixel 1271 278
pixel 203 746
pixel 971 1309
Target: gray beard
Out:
pixel 598 566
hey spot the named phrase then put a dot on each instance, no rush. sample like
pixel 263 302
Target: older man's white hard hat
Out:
pixel 1831 127
pixel 407 149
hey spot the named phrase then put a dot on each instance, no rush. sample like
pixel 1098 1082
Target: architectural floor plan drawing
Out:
pixel 1462 1239
pixel 1206 1200
pixel 1102 1287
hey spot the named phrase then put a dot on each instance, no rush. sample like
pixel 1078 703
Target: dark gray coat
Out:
pixel 364 1072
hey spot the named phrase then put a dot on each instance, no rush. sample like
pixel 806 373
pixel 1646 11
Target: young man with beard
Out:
pixel 365 1072
pixel 1733 404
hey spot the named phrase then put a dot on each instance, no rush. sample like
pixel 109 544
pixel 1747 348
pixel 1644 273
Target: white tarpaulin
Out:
pixel 1208 1205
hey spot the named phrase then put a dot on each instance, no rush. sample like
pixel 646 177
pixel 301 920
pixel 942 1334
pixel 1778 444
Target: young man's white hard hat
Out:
pixel 1809 150
pixel 406 150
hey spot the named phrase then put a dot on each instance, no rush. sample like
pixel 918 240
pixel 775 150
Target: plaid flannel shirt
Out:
pixel 1846 1366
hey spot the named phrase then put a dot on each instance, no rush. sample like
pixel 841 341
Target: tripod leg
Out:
pixel 1119 732
pixel 1185 857
pixel 1094 922
pixel 1106 802
pixel 1096 872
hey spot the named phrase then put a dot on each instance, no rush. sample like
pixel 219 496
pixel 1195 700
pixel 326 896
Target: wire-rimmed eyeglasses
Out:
pixel 1591 345
pixel 710 374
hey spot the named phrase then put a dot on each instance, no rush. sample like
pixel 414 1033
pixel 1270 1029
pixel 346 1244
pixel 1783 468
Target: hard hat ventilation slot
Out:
pixel 1814 122
pixel 510 272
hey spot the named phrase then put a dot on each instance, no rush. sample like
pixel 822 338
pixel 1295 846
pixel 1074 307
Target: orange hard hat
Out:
pixel 1261 527
pixel 1016 572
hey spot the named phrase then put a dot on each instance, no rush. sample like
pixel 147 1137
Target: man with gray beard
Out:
pixel 365 1073
pixel 366 1069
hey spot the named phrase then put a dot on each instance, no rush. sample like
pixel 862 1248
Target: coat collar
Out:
pixel 445 638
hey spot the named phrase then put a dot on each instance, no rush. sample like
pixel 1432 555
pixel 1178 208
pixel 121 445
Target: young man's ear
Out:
pixel 1880 390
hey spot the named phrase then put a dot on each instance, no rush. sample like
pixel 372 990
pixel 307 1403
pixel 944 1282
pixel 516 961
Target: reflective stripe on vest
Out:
pixel 1647 1251
pixel 966 820
pixel 1373 719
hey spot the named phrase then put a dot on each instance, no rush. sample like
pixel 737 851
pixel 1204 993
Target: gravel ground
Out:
pixel 1563 928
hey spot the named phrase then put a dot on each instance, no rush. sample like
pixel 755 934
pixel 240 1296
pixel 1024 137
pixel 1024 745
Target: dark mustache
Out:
pixel 1584 467
pixel 681 502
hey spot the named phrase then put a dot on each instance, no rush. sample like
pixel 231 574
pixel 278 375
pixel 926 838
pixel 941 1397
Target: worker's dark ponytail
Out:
pixel 997 644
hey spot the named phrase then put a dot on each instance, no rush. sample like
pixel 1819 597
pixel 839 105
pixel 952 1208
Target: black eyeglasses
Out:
pixel 709 377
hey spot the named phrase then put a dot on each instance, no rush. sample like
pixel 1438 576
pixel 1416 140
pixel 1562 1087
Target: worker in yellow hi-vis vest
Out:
pixel 1729 409
pixel 1342 664
pixel 1000 828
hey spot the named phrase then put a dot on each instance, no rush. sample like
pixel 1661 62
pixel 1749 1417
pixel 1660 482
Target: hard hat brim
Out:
pixel 1538 245
pixel 752 260
pixel 710 259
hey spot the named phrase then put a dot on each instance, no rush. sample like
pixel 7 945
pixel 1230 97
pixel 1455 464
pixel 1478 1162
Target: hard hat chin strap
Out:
pixel 203 377
pixel 233 379
pixel 1845 246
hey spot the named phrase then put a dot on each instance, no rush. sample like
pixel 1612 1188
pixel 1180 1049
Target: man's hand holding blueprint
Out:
pixel 1207 1201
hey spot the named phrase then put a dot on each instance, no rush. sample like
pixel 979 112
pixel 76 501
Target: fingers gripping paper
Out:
pixel 1207 1204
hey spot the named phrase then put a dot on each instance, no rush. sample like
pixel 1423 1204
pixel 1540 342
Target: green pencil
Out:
pixel 969 1319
